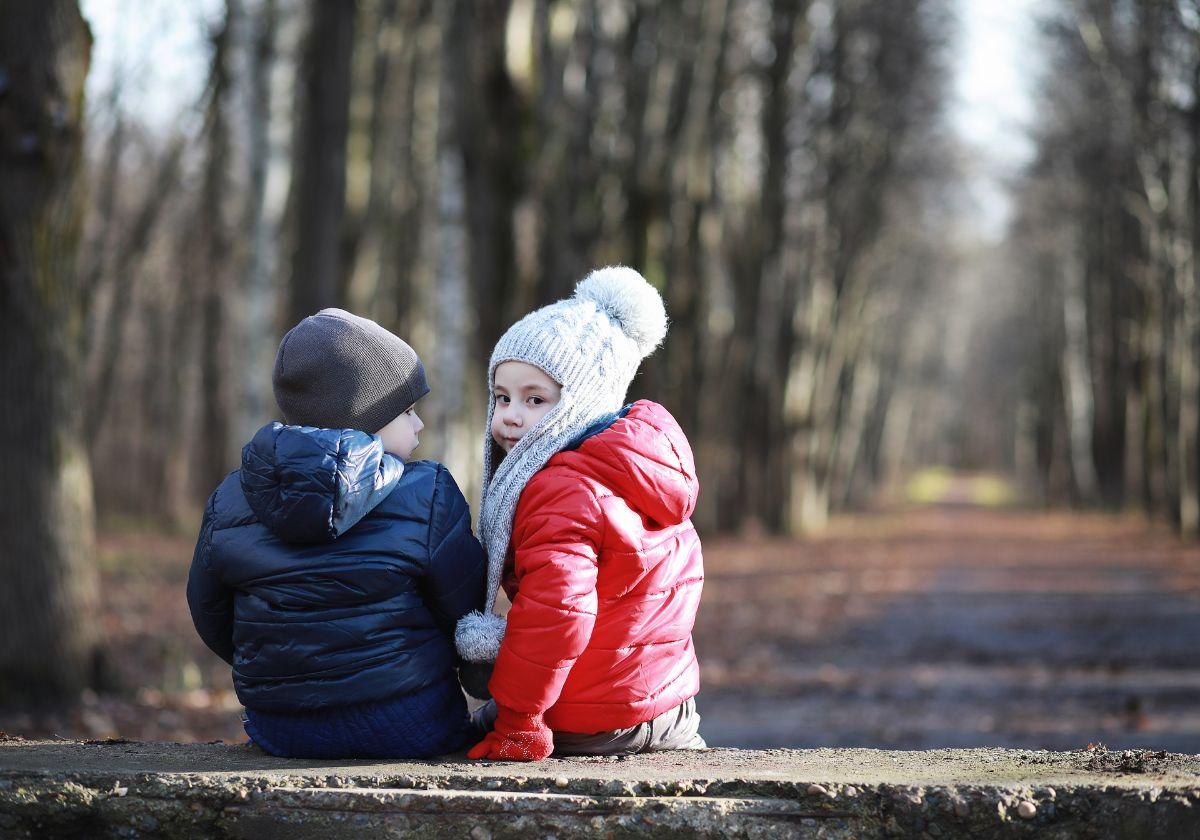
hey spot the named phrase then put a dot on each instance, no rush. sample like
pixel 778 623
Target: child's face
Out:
pixel 400 436
pixel 523 395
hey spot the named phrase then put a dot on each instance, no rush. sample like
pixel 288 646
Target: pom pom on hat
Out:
pixel 629 300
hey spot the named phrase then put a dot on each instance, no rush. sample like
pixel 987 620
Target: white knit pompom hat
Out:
pixel 591 344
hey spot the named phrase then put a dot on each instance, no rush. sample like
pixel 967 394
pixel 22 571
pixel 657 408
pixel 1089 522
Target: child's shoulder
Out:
pixel 227 506
pixel 641 457
pixel 563 480
pixel 423 470
pixel 424 483
pixel 424 473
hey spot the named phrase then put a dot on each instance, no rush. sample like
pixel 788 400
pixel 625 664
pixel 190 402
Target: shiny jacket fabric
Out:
pixel 329 573
pixel 605 574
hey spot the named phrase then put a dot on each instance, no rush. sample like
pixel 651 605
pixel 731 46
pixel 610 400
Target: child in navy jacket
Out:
pixel 329 572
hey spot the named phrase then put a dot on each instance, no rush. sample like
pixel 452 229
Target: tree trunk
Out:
pixel 48 634
pixel 124 268
pixel 1077 385
pixel 487 126
pixel 383 150
pixel 257 313
pixel 1189 398
pixel 319 169
pixel 216 406
pixel 451 356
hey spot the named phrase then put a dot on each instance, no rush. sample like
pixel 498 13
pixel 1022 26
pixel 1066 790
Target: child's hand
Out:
pixel 516 737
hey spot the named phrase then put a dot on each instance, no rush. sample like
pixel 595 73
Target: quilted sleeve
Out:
pixel 209 599
pixel 457 573
pixel 556 539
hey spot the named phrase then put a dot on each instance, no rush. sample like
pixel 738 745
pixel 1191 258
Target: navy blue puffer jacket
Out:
pixel 329 573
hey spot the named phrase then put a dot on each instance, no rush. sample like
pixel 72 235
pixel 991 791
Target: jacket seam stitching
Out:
pixel 643 700
pixel 685 582
pixel 327 673
pixel 570 662
pixel 560 608
pixel 676 536
pixel 675 452
pixel 450 532
pixel 603 520
pixel 437 486
pixel 639 645
pixel 208 542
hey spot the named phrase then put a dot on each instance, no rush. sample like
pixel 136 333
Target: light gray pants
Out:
pixel 674 729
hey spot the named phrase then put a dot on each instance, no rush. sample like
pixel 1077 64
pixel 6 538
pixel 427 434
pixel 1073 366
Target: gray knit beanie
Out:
pixel 336 370
pixel 591 344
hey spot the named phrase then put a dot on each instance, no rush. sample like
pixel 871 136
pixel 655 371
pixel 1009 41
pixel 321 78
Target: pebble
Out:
pixel 480 833
pixel 562 782
pixel 118 790
pixel 1051 793
pixel 495 784
pixel 961 808
pixel 852 791
pixel 1027 810
pixel 817 790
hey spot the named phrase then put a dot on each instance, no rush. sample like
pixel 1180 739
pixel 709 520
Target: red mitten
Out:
pixel 516 737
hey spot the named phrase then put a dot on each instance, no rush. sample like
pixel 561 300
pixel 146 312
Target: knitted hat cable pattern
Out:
pixel 591 344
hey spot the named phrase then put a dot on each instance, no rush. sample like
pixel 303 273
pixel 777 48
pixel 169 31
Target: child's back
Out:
pixel 610 513
pixel 330 575
pixel 585 514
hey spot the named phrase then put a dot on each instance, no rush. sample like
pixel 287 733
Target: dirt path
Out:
pixel 955 627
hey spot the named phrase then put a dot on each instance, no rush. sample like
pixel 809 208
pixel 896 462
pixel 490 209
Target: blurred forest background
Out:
pixel 784 171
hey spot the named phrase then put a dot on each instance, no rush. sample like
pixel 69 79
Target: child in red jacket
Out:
pixel 585 519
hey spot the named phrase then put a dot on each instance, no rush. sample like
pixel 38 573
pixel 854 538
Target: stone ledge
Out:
pixel 115 789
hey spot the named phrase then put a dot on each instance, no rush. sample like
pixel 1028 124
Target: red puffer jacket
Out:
pixel 605 573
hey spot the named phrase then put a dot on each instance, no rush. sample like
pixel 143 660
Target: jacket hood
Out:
pixel 311 485
pixel 644 457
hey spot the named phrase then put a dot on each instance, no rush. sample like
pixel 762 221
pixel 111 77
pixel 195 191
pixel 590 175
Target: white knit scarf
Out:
pixel 478 635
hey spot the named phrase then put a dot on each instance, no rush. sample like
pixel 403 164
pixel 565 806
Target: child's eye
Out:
pixel 500 398
pixel 536 400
